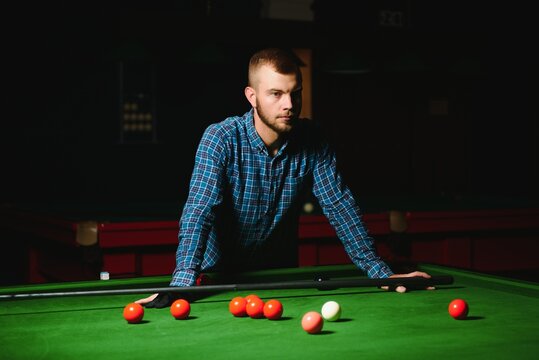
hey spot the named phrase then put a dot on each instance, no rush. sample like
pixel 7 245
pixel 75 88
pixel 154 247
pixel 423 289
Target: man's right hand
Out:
pixel 158 301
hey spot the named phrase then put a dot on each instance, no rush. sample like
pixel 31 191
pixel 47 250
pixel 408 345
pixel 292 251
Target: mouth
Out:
pixel 287 117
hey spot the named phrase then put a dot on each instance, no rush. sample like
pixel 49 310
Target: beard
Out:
pixel 274 124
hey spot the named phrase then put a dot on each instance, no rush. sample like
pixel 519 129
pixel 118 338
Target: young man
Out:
pixel 249 176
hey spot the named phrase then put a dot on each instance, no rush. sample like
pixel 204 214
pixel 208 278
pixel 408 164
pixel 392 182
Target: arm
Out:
pixel 197 220
pixel 205 193
pixel 343 213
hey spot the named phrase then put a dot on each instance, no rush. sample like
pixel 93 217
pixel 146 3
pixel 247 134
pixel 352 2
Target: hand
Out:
pixel 165 299
pixel 402 289
pixel 146 300
pixel 158 301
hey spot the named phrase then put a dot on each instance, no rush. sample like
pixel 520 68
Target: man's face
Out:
pixel 278 99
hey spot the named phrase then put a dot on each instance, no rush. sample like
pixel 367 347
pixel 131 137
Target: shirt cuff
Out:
pixel 186 277
pixel 379 270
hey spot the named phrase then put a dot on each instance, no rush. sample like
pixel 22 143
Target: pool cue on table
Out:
pixel 414 282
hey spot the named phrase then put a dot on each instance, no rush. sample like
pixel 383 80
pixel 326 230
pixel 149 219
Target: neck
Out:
pixel 272 139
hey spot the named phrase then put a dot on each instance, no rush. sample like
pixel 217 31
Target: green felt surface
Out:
pixel 503 323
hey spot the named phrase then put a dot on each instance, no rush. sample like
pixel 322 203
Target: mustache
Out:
pixel 287 114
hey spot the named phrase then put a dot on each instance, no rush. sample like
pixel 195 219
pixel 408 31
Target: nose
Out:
pixel 287 101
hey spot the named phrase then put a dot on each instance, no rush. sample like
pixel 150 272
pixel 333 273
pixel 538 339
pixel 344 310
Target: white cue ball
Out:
pixel 308 207
pixel 331 311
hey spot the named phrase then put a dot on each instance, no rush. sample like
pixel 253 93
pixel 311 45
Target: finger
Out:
pixel 420 273
pixel 146 300
pixel 400 289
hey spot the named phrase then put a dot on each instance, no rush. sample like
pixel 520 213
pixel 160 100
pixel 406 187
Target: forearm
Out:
pixel 365 258
pixel 343 213
pixel 183 277
pixel 358 244
pixel 198 216
pixel 195 227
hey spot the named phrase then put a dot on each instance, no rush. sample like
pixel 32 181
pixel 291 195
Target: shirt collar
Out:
pixel 253 136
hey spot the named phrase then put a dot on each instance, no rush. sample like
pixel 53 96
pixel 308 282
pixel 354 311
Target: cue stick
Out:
pixel 415 282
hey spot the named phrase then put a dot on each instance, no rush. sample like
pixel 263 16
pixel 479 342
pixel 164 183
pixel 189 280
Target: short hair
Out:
pixel 282 61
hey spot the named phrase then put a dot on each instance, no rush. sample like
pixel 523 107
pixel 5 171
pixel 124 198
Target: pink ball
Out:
pixel 312 322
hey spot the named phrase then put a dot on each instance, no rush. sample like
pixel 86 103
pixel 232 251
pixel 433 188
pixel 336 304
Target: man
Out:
pixel 249 176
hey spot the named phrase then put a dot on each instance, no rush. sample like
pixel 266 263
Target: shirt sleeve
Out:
pixel 343 213
pixel 205 194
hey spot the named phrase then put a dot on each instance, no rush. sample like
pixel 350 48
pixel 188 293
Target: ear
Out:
pixel 250 94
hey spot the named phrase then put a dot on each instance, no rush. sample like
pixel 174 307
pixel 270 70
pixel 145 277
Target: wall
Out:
pixel 446 105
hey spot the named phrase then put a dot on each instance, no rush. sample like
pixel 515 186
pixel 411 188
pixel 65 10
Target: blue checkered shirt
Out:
pixel 233 171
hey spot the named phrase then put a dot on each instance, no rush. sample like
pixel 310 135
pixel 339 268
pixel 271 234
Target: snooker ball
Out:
pixel 273 309
pixel 133 313
pixel 255 308
pixel 180 309
pixel 458 309
pixel 203 279
pixel 322 279
pixel 331 311
pixel 237 306
pixel 250 297
pixel 312 322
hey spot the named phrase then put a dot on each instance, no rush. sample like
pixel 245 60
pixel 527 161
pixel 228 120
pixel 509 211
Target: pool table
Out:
pixel 71 242
pixel 503 322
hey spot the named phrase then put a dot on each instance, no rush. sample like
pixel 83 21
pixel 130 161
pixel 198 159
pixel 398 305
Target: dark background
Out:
pixel 377 88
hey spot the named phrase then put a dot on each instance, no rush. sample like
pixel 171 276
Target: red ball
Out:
pixel 250 297
pixel 312 322
pixel 237 306
pixel 458 309
pixel 180 309
pixel 255 308
pixel 204 279
pixel 133 313
pixel 273 309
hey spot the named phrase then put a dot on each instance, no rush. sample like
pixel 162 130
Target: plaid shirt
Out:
pixel 233 170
